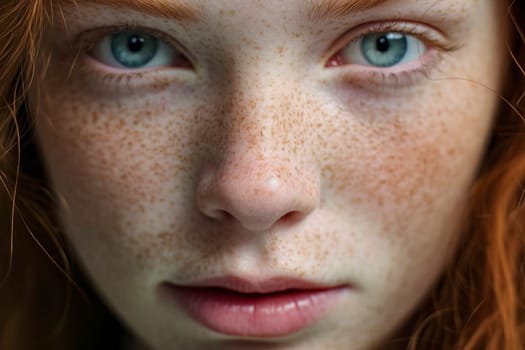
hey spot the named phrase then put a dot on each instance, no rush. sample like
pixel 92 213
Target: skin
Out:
pixel 261 160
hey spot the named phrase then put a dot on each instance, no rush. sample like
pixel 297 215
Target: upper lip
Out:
pixel 257 285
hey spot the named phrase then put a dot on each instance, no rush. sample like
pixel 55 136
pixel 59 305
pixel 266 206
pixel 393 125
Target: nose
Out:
pixel 258 194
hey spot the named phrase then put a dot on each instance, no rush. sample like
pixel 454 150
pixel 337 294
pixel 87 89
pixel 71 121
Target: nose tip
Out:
pixel 257 197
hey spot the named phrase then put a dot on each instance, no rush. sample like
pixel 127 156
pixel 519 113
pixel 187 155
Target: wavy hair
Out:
pixel 478 303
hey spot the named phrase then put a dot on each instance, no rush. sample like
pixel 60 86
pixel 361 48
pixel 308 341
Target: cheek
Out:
pixel 406 164
pixel 124 172
pixel 118 154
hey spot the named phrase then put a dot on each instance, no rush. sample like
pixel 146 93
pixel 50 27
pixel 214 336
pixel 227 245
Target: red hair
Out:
pixel 477 304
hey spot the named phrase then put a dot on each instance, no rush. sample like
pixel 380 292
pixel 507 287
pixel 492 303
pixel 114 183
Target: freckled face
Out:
pixel 269 145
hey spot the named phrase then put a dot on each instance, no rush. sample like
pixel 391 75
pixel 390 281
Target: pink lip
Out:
pixel 269 308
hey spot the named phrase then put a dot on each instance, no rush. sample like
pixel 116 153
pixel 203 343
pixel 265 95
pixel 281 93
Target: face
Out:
pixel 263 147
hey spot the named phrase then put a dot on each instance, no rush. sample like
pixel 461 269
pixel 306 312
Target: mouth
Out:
pixel 257 308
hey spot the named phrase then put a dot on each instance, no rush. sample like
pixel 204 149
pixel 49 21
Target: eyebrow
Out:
pixel 173 9
pixel 325 9
pixel 181 10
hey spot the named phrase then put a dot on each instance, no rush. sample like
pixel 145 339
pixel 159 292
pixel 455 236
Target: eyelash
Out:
pixel 378 76
pixel 120 78
pixel 395 77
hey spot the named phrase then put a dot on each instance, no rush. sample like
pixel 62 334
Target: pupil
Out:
pixel 383 44
pixel 135 43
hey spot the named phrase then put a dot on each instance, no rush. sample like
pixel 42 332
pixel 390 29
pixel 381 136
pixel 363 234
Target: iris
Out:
pixel 133 50
pixel 384 49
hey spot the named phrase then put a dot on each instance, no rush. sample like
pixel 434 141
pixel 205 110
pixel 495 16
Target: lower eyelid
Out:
pixel 182 63
pixel 97 77
pixel 405 75
pixel 100 79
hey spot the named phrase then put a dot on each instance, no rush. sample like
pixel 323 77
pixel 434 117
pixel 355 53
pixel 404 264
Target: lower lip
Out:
pixel 263 315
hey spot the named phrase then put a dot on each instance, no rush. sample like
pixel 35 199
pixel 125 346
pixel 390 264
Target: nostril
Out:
pixel 220 214
pixel 288 219
pixel 291 218
pixel 227 216
pixel 261 196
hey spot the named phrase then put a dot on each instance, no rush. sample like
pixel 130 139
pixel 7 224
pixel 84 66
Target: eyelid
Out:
pixel 88 39
pixel 108 81
pixel 432 37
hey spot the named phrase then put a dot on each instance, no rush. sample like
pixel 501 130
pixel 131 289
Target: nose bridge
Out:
pixel 259 111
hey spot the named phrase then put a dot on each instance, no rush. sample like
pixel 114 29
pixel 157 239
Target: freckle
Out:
pixel 95 117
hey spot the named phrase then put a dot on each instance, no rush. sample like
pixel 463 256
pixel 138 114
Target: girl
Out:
pixel 262 174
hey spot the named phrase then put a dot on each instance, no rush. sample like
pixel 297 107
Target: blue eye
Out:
pixel 384 50
pixel 135 50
